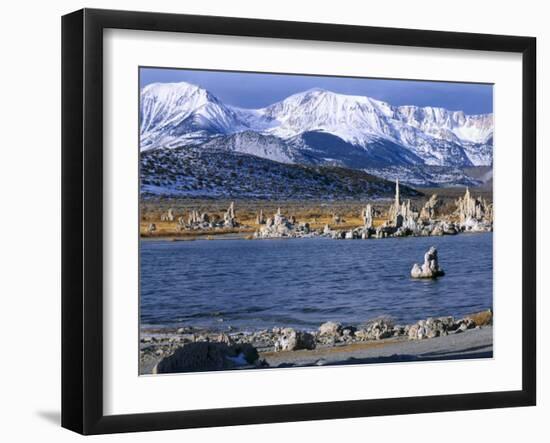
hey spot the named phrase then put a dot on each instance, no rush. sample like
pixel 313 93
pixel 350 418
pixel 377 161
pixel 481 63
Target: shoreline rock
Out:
pixel 199 350
pixel 292 340
pixel 206 356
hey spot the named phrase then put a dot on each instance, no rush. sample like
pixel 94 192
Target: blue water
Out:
pixel 256 284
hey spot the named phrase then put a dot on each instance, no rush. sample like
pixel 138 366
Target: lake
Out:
pixel 256 284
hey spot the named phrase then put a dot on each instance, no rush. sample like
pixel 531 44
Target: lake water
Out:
pixel 256 284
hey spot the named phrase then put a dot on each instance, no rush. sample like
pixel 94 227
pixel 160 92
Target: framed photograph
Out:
pixel 269 221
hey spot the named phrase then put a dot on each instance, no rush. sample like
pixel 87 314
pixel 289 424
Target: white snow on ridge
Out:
pixel 174 114
pixel 442 123
pixel 170 112
pixel 355 119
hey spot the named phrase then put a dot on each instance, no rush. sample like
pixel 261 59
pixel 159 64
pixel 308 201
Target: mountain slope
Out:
pixel 325 148
pixel 253 143
pixel 210 173
pixel 430 176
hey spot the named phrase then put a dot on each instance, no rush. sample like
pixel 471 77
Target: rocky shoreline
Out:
pixel 195 350
pixel 402 220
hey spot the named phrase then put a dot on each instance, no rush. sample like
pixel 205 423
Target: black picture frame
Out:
pixel 82 220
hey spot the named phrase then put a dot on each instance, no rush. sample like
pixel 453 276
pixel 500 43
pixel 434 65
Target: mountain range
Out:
pixel 319 128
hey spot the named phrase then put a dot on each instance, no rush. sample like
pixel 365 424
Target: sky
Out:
pixel 257 90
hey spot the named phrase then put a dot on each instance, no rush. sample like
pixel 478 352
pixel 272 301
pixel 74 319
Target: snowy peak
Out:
pixel 162 103
pixel 177 114
pixel 442 123
pixel 356 119
pixel 361 120
pixel 172 113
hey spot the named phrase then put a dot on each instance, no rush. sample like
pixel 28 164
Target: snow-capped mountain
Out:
pixel 435 135
pixel 172 114
pixel 316 127
pixel 356 120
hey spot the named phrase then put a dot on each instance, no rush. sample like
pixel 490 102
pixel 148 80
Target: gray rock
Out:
pixel 430 268
pixel 398 330
pixel 430 208
pixel 229 219
pixel 168 216
pixel 348 331
pixel 466 323
pixel 430 328
pixel 475 214
pixel 282 226
pixel 204 356
pixel 224 338
pixel 362 335
pixel 368 215
pixel 376 330
pixel 449 229
pixel 292 340
pixel 330 328
pixel 417 332
pixel 437 230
